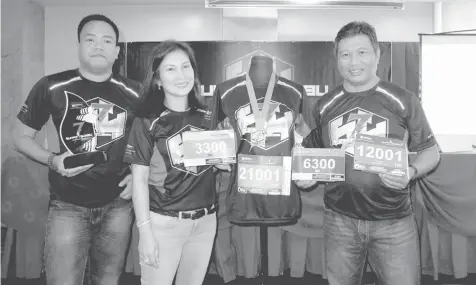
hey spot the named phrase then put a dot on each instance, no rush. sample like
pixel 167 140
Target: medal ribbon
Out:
pixel 260 115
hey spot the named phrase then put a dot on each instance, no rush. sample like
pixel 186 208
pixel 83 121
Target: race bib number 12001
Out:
pixel 264 175
pixel 380 155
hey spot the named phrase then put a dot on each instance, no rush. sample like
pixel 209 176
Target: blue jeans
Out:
pixel 75 234
pixel 390 246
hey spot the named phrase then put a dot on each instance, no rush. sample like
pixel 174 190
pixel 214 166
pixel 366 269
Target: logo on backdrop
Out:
pixel 344 128
pixel 282 68
pixel 89 125
pixel 241 66
pixel 279 123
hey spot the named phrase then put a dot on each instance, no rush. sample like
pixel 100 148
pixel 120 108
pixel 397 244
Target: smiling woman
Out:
pixel 172 78
pixel 175 205
pixel 176 77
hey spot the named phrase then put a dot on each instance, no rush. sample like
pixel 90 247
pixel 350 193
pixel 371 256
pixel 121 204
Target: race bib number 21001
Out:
pixel 264 175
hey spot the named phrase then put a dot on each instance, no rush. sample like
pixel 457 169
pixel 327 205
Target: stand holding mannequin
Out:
pixel 260 72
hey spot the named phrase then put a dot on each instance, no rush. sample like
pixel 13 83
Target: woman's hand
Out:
pixel 148 249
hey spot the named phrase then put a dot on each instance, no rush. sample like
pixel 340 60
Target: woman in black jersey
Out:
pixel 175 206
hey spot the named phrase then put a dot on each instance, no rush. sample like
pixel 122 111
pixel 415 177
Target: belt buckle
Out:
pixel 200 213
pixel 184 215
pixel 194 215
pixel 197 213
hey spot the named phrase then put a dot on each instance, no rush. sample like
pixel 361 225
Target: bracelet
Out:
pixel 414 169
pixel 50 161
pixel 143 223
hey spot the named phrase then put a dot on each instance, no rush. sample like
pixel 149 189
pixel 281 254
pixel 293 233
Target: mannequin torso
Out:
pixel 261 68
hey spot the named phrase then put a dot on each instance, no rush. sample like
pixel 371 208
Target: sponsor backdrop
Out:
pixel 311 64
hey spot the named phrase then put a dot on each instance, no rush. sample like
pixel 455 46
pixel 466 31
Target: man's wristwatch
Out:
pixel 415 170
pixel 51 165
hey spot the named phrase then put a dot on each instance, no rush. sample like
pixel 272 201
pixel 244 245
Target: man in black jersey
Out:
pixel 90 212
pixel 369 217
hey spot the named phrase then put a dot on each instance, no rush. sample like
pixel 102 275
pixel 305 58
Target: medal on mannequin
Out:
pixel 258 136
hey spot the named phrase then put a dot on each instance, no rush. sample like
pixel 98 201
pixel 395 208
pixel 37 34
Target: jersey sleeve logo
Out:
pixel 175 150
pixel 130 150
pixel 24 109
pixel 89 125
pixel 344 128
pixel 277 128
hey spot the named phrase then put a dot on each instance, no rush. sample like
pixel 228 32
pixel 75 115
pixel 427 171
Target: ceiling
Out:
pixel 154 2
pixel 119 2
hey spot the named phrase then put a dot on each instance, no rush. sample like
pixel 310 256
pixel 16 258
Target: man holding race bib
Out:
pixel 368 214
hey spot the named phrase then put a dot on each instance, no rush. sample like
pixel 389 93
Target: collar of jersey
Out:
pixel 362 93
pixel 178 112
pixel 90 81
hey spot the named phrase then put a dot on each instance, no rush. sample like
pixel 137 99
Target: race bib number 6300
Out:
pixel 321 164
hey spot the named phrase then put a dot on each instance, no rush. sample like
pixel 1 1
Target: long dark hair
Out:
pixel 153 104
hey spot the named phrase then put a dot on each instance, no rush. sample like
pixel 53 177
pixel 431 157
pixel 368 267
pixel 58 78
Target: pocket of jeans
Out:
pixel 54 204
pixel 329 215
pixel 326 210
pixel 121 202
pixel 163 221
pixel 60 205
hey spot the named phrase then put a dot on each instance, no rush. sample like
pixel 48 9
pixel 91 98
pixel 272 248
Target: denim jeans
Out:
pixel 185 248
pixel 390 247
pixel 75 234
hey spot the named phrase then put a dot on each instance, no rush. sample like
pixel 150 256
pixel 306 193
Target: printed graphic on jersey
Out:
pixel 344 128
pixel 89 125
pixel 277 127
pixel 175 149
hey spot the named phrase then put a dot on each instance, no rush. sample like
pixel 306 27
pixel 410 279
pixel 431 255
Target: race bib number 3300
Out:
pixel 209 147
pixel 380 155
pixel 264 175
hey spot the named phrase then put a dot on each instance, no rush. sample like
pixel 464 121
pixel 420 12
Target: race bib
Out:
pixel 320 164
pixel 380 155
pixel 264 175
pixel 209 147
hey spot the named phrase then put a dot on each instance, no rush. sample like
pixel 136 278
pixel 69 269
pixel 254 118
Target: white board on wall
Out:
pixel 448 77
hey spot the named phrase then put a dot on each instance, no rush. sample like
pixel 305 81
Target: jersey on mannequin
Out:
pixel 231 101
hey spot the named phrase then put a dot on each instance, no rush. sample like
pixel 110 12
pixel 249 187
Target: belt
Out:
pixel 193 214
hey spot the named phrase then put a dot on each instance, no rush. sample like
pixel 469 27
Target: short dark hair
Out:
pixel 154 96
pixel 354 29
pixel 97 17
